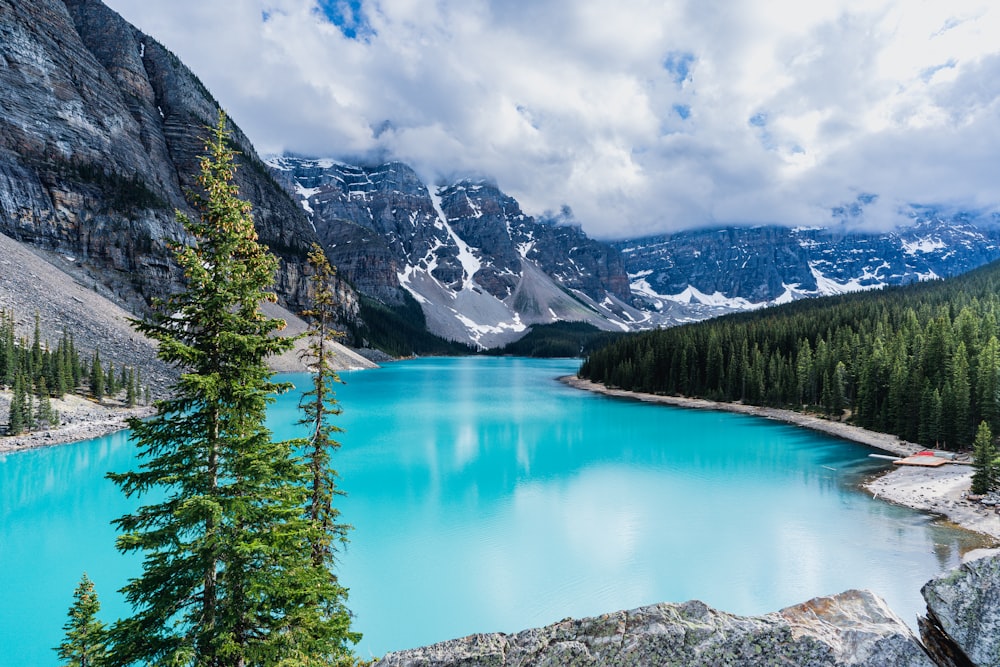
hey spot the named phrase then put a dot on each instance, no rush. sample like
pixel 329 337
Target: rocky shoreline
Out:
pixel 940 490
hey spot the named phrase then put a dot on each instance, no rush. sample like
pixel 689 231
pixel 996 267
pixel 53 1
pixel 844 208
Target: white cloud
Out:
pixel 638 114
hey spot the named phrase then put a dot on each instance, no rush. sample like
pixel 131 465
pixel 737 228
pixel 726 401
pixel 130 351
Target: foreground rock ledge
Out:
pixel 853 628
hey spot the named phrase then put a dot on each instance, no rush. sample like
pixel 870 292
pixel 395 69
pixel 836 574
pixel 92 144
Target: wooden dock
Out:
pixel 922 459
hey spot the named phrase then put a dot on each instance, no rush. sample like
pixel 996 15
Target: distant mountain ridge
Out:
pixel 694 274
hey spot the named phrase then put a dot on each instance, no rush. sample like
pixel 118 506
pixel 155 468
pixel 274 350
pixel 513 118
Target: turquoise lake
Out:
pixel 487 496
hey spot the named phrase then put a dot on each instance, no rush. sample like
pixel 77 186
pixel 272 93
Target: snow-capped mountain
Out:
pixel 697 274
pixel 481 270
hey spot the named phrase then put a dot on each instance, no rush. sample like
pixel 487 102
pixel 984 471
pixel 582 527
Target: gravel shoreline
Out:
pixel 937 490
pixel 80 419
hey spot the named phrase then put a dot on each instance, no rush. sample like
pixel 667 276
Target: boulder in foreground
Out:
pixel 962 626
pixel 854 628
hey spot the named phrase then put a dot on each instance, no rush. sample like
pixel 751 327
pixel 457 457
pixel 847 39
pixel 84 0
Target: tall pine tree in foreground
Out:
pixel 85 635
pixel 331 636
pixel 228 576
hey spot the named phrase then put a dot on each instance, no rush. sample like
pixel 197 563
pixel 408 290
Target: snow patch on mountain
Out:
pixel 924 245
pixel 470 263
pixel 828 287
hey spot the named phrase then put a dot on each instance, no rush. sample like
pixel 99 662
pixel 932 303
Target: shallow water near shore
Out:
pixel 487 496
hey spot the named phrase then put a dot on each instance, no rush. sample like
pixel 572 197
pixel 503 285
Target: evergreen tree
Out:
pixel 97 377
pixel 329 633
pixel 984 460
pixel 30 423
pixel 962 396
pixel 43 411
pixel 35 367
pixel 110 380
pixel 228 574
pixel 9 367
pixel 84 645
pixel 60 370
pixel 988 384
pixel 76 366
pixel 130 389
pixel 17 424
pixel 921 361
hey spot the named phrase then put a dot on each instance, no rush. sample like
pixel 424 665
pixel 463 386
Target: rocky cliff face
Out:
pixel 100 136
pixel 855 628
pixel 480 268
pixel 492 222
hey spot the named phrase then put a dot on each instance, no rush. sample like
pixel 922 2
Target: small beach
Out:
pixel 938 490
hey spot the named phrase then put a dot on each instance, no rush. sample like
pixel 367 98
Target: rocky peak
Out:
pixel 371 221
pixel 479 267
pixel 490 221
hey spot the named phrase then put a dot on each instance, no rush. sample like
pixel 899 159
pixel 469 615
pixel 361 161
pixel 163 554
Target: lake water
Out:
pixel 486 496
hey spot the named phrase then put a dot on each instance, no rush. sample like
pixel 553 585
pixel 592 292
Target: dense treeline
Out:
pixel 921 362
pixel 400 331
pixel 558 339
pixel 35 373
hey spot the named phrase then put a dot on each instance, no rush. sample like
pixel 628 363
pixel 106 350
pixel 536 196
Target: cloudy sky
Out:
pixel 641 115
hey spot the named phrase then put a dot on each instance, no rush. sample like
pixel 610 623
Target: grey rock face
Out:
pixel 100 133
pixel 492 221
pixel 373 222
pixel 481 269
pixel 853 628
pixel 962 626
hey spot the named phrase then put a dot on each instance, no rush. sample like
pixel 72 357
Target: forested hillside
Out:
pixel 922 362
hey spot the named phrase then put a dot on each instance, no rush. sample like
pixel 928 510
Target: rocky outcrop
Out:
pixel 962 626
pixel 100 136
pixel 856 628
pixel 853 628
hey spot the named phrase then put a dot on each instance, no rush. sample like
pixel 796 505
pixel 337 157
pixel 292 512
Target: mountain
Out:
pixel 481 269
pixel 692 275
pixel 100 136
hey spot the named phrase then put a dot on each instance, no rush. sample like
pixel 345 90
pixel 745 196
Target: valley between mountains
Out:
pixel 99 141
